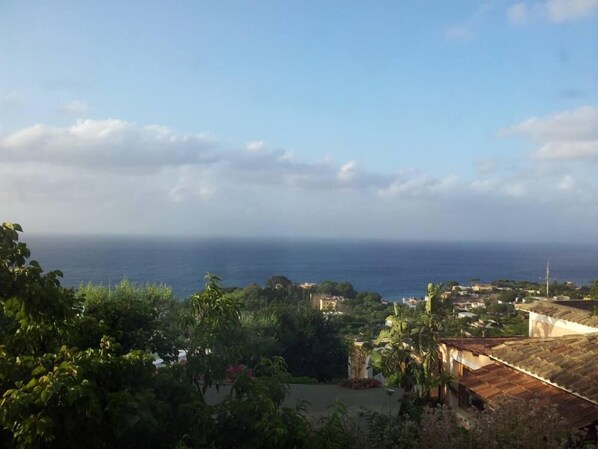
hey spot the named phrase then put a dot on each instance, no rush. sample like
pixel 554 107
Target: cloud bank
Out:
pixel 566 135
pixel 553 11
pixel 118 176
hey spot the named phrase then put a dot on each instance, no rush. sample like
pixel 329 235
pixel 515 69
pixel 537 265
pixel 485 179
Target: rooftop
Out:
pixel 569 362
pixel 574 311
pixel 477 345
pixel 495 381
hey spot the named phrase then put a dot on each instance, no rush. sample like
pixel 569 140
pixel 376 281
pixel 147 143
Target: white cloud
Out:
pixel 416 185
pixel 105 173
pixel 192 183
pixel 107 144
pixel 75 107
pixel 347 171
pixel 581 123
pixel 470 25
pixel 515 189
pixel 255 146
pixel 555 11
pixel 570 10
pixel 566 183
pixel 10 99
pixel 459 33
pixel 286 156
pixel 517 14
pixel 571 134
pixel 569 150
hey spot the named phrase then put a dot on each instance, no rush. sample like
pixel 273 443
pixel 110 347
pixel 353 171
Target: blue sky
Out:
pixel 431 120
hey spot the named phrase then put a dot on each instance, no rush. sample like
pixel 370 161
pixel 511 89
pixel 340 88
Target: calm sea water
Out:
pixel 394 269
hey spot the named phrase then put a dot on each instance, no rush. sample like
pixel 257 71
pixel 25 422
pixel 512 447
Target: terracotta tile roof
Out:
pixel 569 362
pixel 495 381
pixel 477 345
pixel 574 311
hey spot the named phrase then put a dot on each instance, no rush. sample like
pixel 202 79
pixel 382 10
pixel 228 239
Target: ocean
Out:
pixel 392 268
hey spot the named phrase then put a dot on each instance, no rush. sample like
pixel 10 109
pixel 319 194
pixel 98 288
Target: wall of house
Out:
pixel 453 362
pixel 327 304
pixel 545 326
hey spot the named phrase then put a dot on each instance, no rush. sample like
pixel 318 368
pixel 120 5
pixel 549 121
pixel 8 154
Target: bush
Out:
pixel 360 384
pixel 303 380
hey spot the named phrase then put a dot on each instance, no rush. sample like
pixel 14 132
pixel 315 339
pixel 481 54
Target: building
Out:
pixel 557 364
pixel 559 371
pixel 557 318
pixel 324 302
pixel 482 288
pixel 411 302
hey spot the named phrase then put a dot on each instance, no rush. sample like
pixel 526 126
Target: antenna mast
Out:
pixel 547 277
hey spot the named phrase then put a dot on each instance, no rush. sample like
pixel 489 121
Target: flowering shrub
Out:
pixel 360 384
pixel 233 372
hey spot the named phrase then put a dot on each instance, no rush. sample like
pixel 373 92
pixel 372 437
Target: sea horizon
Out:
pixel 395 269
pixel 276 238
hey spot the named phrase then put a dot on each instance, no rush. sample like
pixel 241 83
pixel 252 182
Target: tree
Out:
pixel 56 395
pixel 142 317
pixel 33 306
pixel 392 354
pixel 507 296
pixel 344 289
pixel 407 352
pixel 213 328
pixel 278 282
pixel 310 343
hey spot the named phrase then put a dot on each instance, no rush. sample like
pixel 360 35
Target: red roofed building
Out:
pixel 559 371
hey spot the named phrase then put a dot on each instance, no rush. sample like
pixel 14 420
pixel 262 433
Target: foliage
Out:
pixel 362 316
pixel 142 317
pixel 511 423
pixel 344 289
pixel 407 352
pixel 302 380
pixel 508 296
pixel 252 416
pixel 214 335
pixel 360 384
pixel 34 309
pixel 310 343
pixel 76 370
pixel 56 395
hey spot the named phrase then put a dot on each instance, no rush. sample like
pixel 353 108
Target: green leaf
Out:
pixel 37 371
pixel 45 395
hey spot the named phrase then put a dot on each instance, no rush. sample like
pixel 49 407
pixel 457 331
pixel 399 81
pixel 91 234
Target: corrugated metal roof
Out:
pixel 574 311
pixel 495 381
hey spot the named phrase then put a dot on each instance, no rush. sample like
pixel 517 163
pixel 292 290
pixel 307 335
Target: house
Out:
pixel 559 371
pixel 557 318
pixel 461 290
pixel 411 302
pixel 557 364
pixel 324 302
pixel 468 304
pixel 482 287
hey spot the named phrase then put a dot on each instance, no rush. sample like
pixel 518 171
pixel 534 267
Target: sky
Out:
pixel 452 121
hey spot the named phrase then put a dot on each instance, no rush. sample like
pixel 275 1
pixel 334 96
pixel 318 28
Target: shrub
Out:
pixel 360 384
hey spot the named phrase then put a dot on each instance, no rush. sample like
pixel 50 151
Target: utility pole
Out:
pixel 547 276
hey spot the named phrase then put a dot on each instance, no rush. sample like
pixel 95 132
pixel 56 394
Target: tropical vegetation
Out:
pixel 132 366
